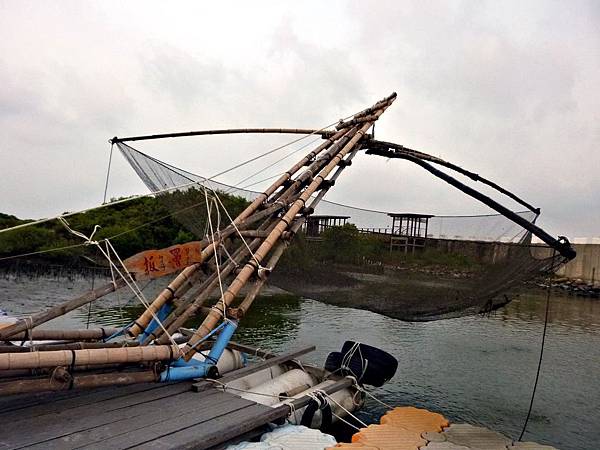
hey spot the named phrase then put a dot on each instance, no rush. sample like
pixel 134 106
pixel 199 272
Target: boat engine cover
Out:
pixel 370 365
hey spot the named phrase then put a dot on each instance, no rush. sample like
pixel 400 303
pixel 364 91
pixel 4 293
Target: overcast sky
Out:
pixel 510 90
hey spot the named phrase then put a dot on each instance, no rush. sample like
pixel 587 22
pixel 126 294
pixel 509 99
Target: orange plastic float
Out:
pixel 400 429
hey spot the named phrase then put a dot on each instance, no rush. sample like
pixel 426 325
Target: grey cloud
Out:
pixel 509 90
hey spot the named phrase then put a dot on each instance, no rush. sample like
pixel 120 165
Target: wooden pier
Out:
pixel 148 415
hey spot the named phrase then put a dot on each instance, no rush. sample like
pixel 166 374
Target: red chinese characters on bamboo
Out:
pixel 157 263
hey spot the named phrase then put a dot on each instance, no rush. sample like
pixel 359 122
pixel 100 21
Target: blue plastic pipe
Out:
pixel 187 370
pixel 162 314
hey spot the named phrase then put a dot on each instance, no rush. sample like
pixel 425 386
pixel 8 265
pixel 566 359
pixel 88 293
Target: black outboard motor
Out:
pixel 369 365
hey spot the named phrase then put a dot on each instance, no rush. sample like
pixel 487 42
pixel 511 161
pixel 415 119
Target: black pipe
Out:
pixel 561 245
pixel 473 176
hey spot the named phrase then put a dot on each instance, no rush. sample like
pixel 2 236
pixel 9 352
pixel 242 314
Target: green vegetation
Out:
pixel 133 226
pixel 147 223
pixel 346 245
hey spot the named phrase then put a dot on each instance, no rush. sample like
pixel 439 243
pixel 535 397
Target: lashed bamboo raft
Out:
pixel 241 254
pixel 255 239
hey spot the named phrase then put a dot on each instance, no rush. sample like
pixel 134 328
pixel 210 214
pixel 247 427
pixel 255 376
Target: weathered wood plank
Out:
pixel 131 419
pixel 62 423
pixel 220 429
pixel 75 397
pixel 172 423
pixel 50 404
pixel 248 370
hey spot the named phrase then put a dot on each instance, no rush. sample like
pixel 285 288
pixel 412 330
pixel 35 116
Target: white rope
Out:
pixel 216 256
pixel 345 421
pixel 114 282
pixel 348 358
pixel 272 164
pixel 135 289
pixel 105 205
pixel 342 407
pixel 313 395
pixel 234 226
pixel 129 281
pixel 381 402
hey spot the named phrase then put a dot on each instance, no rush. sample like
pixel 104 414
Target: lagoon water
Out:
pixel 478 370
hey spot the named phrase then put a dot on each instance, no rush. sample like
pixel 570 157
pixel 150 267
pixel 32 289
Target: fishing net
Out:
pixel 447 266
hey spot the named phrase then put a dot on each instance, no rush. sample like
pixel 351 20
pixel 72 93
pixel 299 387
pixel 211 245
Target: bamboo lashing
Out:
pixel 269 222
pixel 216 313
pixel 243 307
pixel 167 293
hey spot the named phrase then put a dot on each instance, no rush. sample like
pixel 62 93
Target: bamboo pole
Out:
pixel 65 346
pixel 216 313
pixel 37 319
pixel 178 318
pixel 244 306
pixel 63 380
pixel 243 218
pixel 65 335
pixel 36 360
pixel 168 293
pixel 307 131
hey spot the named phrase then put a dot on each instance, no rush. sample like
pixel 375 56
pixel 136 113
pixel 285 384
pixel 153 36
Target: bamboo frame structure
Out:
pixel 316 178
pixel 241 254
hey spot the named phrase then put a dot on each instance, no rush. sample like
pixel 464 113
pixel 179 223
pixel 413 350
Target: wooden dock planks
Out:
pixel 149 416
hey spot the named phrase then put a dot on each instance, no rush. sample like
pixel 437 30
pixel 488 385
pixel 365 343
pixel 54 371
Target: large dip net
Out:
pixel 412 267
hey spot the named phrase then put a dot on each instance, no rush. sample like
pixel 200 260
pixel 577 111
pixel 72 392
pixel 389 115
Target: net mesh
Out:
pixel 456 265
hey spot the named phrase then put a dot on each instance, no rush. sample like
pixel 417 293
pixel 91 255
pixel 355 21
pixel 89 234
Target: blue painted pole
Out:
pixel 162 314
pixel 221 343
pixel 186 370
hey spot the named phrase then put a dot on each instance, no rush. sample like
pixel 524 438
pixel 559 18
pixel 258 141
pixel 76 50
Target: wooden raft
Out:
pixel 149 415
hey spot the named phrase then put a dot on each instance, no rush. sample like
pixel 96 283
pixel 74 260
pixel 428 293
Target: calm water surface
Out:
pixel 471 369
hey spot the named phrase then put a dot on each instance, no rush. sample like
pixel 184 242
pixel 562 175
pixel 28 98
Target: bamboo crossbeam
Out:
pixel 168 293
pixel 65 335
pixel 72 358
pixel 149 137
pixel 37 319
pixel 242 278
pixel 64 346
pixel 70 381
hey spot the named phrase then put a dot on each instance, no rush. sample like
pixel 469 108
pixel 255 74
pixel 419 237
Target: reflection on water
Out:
pixel 472 369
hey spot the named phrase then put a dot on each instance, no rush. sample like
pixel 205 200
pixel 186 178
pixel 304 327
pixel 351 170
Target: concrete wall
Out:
pixel 586 265
pixel 480 251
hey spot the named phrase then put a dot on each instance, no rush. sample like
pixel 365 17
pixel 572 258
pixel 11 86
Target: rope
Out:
pixel 108 172
pixel 67 247
pixel 129 281
pixel 105 205
pixel 537 375
pixel 131 284
pixel 342 407
pixel 212 236
pixel 274 163
pixel 267 153
pixel 114 282
pixel 314 395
